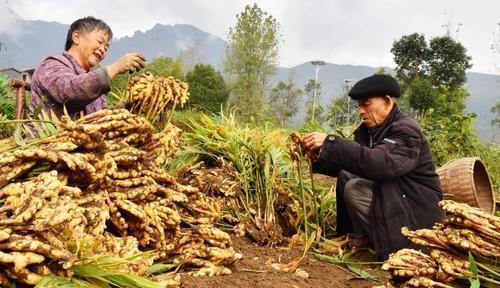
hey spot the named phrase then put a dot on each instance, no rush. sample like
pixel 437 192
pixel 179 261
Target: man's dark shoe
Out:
pixel 361 242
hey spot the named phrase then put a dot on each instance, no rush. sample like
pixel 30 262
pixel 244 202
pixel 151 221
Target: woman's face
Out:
pixel 91 47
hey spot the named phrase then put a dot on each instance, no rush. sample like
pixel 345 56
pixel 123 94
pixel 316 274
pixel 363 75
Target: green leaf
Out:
pixel 113 277
pixel 474 283
pixel 38 127
pixel 28 131
pixel 308 244
pixel 361 273
pixel 473 265
pixel 347 256
pixel 38 108
pixel 56 282
pixel 160 267
pixel 17 136
pixel 328 259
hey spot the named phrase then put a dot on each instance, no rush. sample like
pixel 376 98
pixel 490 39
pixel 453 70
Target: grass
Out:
pixel 261 156
pixel 255 154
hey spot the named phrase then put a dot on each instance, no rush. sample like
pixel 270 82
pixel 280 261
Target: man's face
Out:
pixel 374 110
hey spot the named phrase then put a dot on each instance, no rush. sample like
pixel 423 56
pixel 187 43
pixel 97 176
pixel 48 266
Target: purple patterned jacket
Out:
pixel 60 80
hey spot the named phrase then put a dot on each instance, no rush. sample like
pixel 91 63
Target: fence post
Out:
pixel 21 88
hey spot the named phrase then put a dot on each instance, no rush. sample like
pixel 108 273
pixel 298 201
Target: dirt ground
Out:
pixel 253 271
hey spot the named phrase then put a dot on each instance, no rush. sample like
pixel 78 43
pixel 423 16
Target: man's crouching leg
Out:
pixel 358 195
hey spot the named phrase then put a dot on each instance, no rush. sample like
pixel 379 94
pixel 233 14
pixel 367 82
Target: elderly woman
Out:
pixel 66 80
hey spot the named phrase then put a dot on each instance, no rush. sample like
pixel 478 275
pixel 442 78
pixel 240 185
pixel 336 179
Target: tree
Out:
pixel 421 95
pixel 495 122
pixel 313 103
pixel 207 88
pixel 496 110
pixel 284 101
pixel 5 87
pixel 432 76
pixel 450 137
pixel 342 111
pixel 190 56
pixel 7 99
pixel 165 66
pixel 381 71
pixel 448 61
pixel 410 55
pixel 443 61
pixel 251 59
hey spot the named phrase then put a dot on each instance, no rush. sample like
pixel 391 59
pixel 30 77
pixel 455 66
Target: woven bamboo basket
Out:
pixel 466 180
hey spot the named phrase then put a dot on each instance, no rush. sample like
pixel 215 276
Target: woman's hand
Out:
pixel 129 62
pixel 313 141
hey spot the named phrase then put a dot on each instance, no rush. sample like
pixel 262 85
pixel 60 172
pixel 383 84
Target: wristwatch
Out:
pixel 329 138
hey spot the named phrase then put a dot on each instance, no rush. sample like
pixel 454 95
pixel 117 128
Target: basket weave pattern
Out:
pixel 466 180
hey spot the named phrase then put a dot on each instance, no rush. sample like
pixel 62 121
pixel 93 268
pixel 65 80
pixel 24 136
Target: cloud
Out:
pixel 126 16
pixel 9 24
pixel 357 32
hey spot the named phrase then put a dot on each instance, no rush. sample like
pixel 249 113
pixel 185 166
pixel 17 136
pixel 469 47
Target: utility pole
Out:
pixel 317 63
pixel 347 85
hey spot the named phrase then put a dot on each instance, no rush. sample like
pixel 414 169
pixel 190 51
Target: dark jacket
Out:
pixel 396 156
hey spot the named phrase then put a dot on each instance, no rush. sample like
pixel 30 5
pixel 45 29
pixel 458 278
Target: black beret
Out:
pixel 377 84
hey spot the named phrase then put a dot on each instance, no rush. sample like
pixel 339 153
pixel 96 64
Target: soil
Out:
pixel 254 270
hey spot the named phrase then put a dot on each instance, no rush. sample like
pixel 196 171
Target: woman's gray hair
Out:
pixel 86 25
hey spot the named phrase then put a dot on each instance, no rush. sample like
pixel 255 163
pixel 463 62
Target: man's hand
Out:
pixel 313 141
pixel 129 62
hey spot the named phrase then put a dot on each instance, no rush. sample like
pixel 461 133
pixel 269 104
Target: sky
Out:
pixel 356 32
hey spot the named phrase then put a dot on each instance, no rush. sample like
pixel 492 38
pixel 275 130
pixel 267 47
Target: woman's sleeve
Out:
pixel 64 86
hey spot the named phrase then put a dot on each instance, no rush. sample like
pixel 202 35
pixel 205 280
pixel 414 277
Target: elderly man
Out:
pixel 386 176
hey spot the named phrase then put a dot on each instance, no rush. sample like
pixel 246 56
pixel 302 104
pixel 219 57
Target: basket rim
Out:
pixel 490 184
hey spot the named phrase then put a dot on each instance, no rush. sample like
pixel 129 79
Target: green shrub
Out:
pixel 7 100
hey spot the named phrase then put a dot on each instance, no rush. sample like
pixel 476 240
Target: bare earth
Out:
pixel 252 271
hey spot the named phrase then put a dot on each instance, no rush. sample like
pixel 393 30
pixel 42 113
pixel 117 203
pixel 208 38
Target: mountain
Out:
pixel 27 42
pixel 170 40
pixel 485 93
